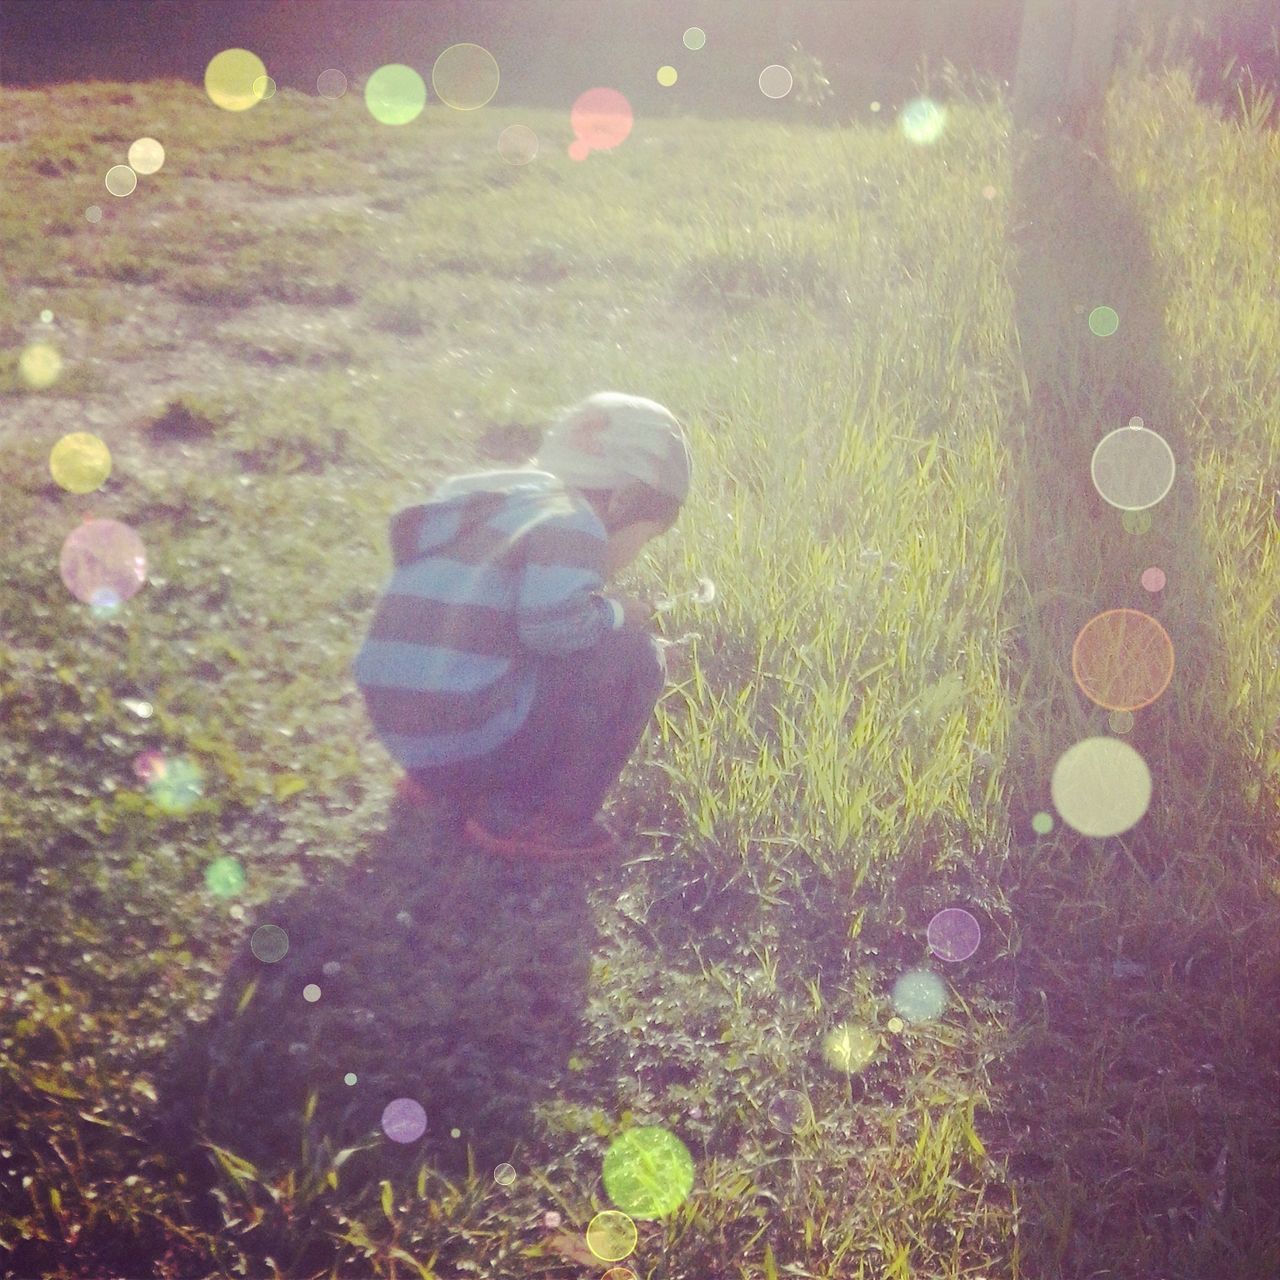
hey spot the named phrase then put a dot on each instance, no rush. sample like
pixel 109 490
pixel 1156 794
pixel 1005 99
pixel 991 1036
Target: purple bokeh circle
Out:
pixel 954 934
pixel 404 1120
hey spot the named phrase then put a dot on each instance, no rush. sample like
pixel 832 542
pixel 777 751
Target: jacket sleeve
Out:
pixel 560 608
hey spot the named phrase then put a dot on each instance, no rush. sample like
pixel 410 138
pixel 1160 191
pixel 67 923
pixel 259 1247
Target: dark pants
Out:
pixel 590 711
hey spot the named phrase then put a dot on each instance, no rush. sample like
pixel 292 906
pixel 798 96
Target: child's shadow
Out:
pixel 424 971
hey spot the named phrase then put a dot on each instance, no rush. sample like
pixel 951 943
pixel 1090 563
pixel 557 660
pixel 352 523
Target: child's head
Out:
pixel 631 516
pixel 629 458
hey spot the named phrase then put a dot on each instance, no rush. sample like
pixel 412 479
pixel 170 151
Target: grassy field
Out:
pixel 304 318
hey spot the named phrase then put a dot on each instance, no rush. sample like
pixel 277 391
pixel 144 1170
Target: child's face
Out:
pixel 627 543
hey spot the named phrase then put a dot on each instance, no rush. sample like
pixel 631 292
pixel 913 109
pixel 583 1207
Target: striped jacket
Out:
pixel 495 569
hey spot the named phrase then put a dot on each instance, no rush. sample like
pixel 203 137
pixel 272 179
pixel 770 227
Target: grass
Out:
pixel 886 457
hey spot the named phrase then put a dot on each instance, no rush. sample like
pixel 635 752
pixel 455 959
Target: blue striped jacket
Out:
pixel 495 569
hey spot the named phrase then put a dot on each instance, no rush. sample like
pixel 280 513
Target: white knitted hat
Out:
pixel 610 439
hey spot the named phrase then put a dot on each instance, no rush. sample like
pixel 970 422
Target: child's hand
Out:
pixel 635 613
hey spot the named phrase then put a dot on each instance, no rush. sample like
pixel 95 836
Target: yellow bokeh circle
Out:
pixel 146 155
pixel 611 1235
pixel 121 180
pixel 39 365
pixel 229 79
pixel 80 462
pixel 850 1047
pixel 1101 787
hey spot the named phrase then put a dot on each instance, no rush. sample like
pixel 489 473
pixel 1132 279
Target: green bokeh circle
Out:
pixel 395 94
pixel 648 1172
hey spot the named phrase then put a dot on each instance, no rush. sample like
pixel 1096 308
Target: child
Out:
pixel 495 670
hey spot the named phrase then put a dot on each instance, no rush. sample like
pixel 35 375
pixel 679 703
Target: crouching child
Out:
pixel 496 670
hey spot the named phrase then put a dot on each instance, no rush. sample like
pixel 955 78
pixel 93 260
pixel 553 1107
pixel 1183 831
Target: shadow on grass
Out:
pixel 436 974
pixel 1148 964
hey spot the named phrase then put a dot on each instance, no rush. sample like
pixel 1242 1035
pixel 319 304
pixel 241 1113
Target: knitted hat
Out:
pixel 610 440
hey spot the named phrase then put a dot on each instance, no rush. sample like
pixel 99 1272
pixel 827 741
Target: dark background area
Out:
pixel 549 51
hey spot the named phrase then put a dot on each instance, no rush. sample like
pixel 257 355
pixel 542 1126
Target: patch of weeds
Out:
pixel 284 452
pixel 291 351
pixel 190 417
pixel 210 288
pixel 397 308
pixel 61 226
pixel 24 469
pixel 540 262
pixel 284 268
pixel 118 260
pixel 306 291
pixel 725 277
pixel 39 209
pixel 12 320
pixel 543 262
pixel 332 226
pixel 142 349
pixel 511 442
pixel 55 166
pixel 292 1220
pixel 501 176
pixel 394 172
pixel 310 431
pixel 97 307
pixel 465 263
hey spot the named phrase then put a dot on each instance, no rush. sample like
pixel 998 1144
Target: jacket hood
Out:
pixel 497 482
pixel 460 503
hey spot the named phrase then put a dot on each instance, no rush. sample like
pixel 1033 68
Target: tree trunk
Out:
pixel 1066 54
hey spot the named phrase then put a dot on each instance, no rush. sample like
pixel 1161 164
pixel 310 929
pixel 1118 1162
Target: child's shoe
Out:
pixel 412 793
pixel 541 837
pixel 502 815
pixel 444 811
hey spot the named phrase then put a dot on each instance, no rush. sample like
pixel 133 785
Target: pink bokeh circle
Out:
pixel 601 118
pixel 103 560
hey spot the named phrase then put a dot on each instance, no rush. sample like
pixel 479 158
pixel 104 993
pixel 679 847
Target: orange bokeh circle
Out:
pixel 1122 659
